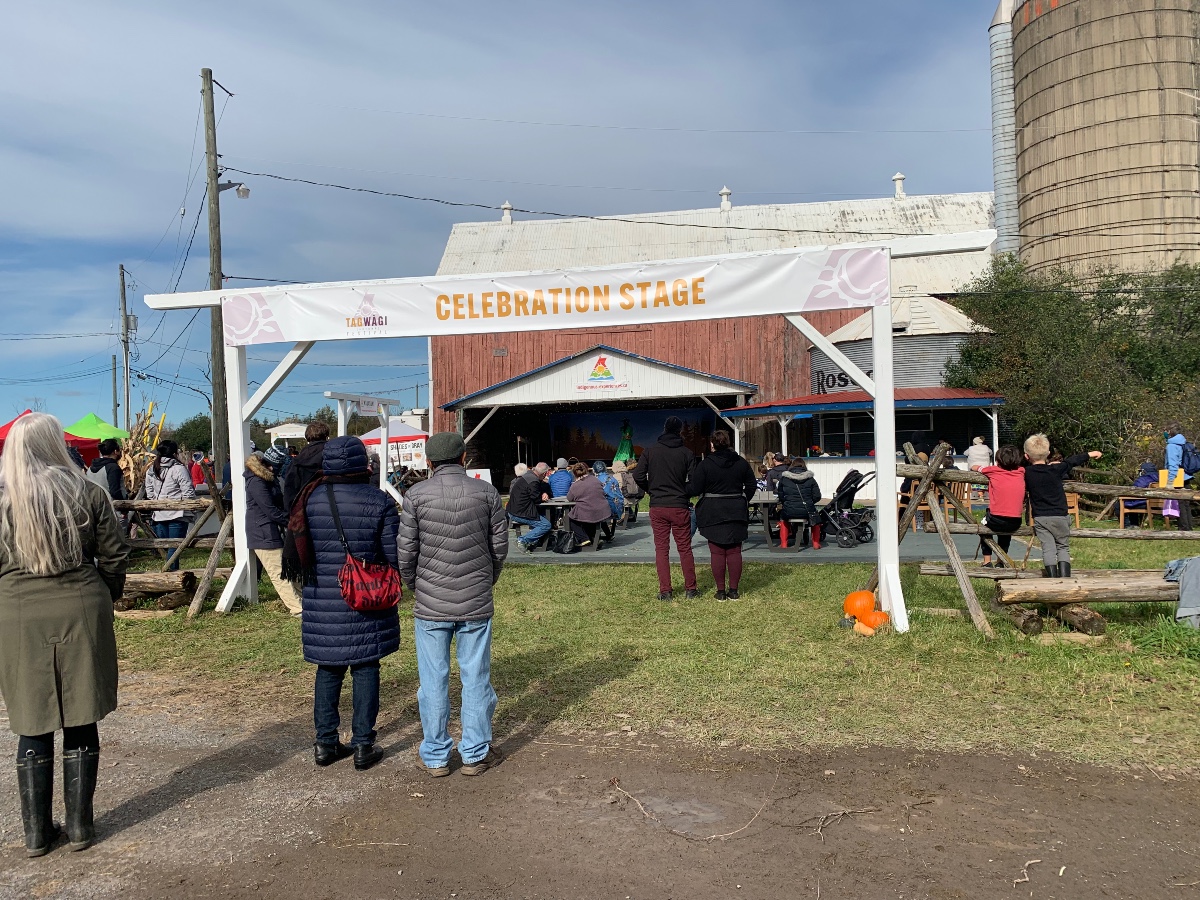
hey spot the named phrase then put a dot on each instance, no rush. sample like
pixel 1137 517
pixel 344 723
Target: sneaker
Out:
pixel 691 595
pixel 585 543
pixel 437 771
pixel 493 758
pixel 732 594
pixel 665 596
pixel 720 598
pixel 526 546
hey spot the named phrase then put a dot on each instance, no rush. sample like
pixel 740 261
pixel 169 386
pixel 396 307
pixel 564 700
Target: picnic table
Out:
pixel 558 511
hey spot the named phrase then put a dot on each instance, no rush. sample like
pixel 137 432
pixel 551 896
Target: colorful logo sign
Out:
pixel 601 371
pixel 602 380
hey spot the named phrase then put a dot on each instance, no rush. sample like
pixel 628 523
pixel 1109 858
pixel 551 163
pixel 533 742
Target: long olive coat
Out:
pixel 58 653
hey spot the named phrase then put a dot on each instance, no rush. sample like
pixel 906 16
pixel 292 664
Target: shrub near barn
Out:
pixel 1100 360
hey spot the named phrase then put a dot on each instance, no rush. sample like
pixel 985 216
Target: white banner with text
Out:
pixel 788 281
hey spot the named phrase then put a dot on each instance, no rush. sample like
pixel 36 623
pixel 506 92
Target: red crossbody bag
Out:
pixel 366 586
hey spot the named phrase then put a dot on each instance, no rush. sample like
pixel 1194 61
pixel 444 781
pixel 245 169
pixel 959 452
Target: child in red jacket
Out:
pixel 1006 500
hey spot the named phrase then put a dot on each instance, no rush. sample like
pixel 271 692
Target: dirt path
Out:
pixel 203 798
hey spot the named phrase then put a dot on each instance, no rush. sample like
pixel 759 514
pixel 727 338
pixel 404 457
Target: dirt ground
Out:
pixel 218 797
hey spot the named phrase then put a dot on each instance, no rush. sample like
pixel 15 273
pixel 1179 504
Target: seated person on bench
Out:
pixel 798 494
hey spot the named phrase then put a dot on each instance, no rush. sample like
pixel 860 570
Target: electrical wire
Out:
pixel 562 215
pixel 546 184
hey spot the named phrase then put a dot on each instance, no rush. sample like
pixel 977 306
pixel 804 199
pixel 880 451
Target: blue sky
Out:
pixel 100 149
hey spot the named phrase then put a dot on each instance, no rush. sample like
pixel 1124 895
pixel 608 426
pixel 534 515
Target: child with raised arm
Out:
pixel 1006 500
pixel 1048 502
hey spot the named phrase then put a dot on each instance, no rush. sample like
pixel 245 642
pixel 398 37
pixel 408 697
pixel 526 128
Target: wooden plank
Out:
pixel 160 582
pixel 168 543
pixel 1087 590
pixel 1071 487
pixel 964 583
pixel 213 493
pixel 172 505
pixel 1112 534
pixel 925 483
pixel 210 570
pixel 192 534
pixel 930 568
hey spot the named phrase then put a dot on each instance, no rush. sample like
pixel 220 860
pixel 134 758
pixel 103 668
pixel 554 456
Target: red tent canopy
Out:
pixel 89 448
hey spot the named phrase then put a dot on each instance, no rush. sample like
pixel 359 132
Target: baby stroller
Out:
pixel 850 526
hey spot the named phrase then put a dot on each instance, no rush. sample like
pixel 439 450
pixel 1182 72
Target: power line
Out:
pixel 546 184
pixel 562 215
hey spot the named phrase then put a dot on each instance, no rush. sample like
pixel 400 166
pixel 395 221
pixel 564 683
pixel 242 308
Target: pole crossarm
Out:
pixel 843 362
pixel 280 372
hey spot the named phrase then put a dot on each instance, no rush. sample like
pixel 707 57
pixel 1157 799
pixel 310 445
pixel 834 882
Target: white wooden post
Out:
pixel 343 417
pixel 243 581
pixel 385 423
pixel 784 421
pixel 887 535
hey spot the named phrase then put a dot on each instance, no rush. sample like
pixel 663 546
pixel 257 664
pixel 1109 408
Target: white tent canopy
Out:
pixel 398 433
pixel 783 282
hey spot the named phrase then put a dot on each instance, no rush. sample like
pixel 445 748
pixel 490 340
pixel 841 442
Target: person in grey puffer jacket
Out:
pixel 451 548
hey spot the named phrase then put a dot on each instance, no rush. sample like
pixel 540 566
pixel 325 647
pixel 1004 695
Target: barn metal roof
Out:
pixel 919 315
pixel 729 385
pixel 565 243
pixel 853 401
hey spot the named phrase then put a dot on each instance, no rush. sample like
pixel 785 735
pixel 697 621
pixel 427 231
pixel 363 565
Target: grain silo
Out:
pixel 1108 145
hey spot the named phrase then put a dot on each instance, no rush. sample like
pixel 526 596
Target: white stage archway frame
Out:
pixel 782 282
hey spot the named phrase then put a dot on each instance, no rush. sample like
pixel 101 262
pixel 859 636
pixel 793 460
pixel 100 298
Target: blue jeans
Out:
pixel 474 641
pixel 175 528
pixel 538 528
pixel 328 691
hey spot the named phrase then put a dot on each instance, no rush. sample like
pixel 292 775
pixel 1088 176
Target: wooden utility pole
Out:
pixel 124 356
pixel 220 425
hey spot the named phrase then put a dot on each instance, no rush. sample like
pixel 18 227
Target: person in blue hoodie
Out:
pixel 1174 461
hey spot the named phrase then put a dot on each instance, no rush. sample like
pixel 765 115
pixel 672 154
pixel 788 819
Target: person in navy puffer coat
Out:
pixel 335 637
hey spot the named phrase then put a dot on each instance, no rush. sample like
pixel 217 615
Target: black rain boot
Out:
pixel 35 780
pixel 1050 571
pixel 1064 570
pixel 79 787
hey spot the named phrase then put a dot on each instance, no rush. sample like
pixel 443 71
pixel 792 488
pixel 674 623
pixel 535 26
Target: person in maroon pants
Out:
pixel 663 471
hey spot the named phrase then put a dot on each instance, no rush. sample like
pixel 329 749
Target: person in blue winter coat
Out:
pixel 1174 462
pixel 560 479
pixel 335 637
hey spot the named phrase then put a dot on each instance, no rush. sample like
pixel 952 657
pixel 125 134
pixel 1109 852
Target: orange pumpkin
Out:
pixel 876 618
pixel 859 603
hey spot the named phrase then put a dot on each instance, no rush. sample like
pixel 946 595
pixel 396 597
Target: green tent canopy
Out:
pixel 92 426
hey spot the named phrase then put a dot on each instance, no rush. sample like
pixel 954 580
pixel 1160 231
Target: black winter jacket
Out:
pixel 114 481
pixel 524 495
pixel 1044 483
pixel 663 470
pixel 332 633
pixel 799 494
pixel 265 516
pixel 453 542
pixel 304 468
pixel 723 519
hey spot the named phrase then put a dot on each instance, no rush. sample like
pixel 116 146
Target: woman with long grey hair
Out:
pixel 62 564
